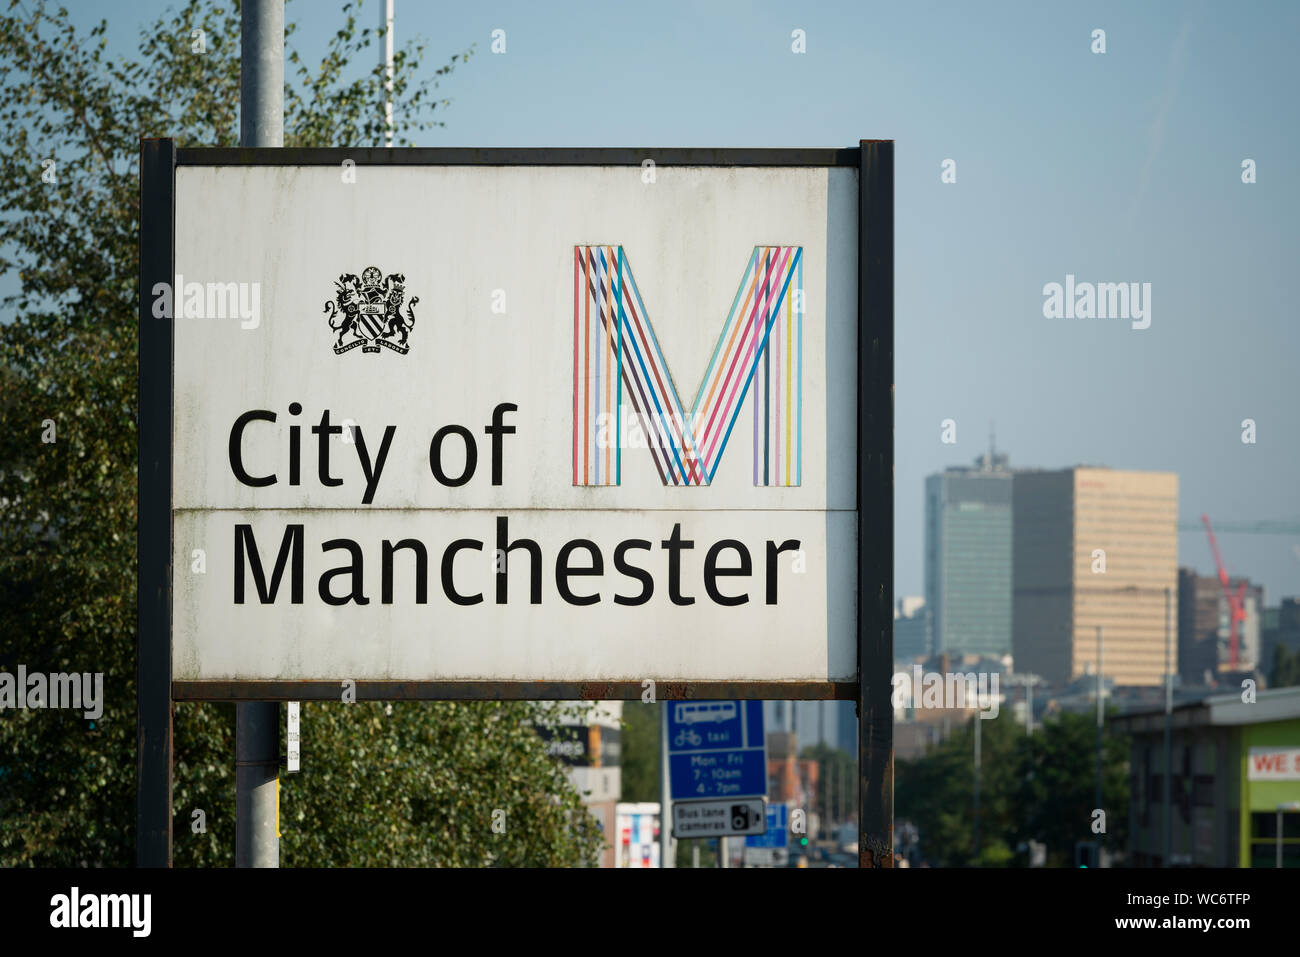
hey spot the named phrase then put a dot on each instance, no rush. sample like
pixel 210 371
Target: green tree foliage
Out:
pixel 438 784
pixel 1056 789
pixel 936 792
pixel 640 751
pixel 414 785
pixel 1040 788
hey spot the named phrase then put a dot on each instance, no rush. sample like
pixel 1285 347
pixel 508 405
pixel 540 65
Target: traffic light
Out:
pixel 803 842
pixel 1087 854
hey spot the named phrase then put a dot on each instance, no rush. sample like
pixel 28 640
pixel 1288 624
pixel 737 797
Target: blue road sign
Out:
pixel 716 749
pixel 778 829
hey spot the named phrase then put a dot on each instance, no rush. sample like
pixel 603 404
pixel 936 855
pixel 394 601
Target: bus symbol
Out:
pixel 696 711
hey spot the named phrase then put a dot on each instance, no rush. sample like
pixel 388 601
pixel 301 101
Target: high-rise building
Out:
pixel 833 723
pixel 968 557
pixel 1204 635
pixel 1279 628
pixel 1095 547
pixel 912 638
pixel 1198 625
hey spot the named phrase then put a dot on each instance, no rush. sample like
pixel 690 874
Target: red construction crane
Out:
pixel 1236 610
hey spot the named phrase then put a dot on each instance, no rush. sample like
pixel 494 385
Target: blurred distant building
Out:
pixel 1233 780
pixel 1204 639
pixel 783 780
pixel 1198 625
pixel 1279 628
pixel 778 716
pixel 834 723
pixel 915 739
pixel 968 557
pixel 912 638
pixel 1249 630
pixel 1068 526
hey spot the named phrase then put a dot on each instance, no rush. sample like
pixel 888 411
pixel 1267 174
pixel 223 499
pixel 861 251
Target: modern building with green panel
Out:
pixel 968 557
pixel 1235 775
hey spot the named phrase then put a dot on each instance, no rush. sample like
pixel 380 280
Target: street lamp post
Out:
pixel 976 719
pixel 1282 808
pixel 1029 706
pixel 1169 758
pixel 386 61
pixel 1101 714
pixel 1168 724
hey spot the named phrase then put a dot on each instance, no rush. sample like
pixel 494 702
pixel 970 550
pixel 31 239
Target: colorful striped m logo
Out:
pixel 760 348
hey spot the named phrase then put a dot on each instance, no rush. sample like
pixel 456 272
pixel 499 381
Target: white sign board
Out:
pixel 719 818
pixel 292 732
pixel 766 856
pixel 515 423
pixel 1273 764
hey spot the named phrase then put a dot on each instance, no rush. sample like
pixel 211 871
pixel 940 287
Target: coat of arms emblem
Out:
pixel 369 308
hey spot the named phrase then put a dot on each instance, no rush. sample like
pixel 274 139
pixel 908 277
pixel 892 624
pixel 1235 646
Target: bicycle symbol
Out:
pixel 687 736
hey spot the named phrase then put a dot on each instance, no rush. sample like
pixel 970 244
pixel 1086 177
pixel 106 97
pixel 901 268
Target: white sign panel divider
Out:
pixel 512 424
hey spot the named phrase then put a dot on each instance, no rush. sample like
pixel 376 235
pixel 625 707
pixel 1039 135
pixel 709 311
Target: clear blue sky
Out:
pixel 1117 167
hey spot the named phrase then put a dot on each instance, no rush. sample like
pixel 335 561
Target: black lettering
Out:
pixel 496 430
pixel 674 544
pixel 236 444
pixel 563 571
pixel 644 577
pixel 421 570
pixel 435 455
pixel 503 557
pixel 355 569
pixel 789 545
pixel 295 447
pixel 324 431
pixel 712 572
pixel 372 478
pixel 290 544
pixel 295 455
pixel 448 557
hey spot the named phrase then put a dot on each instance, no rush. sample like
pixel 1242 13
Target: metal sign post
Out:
pixel 257 723
pixel 875 503
pixel 153 802
pixel 665 798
